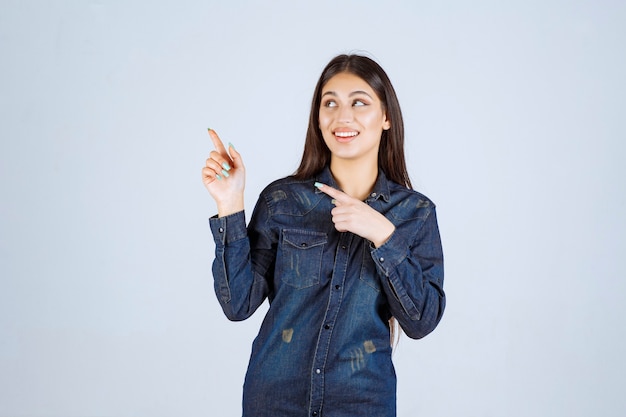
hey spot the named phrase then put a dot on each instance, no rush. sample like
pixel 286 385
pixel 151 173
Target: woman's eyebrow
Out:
pixel 354 93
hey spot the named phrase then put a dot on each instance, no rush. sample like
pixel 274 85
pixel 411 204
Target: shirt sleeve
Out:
pixel 243 259
pixel 410 264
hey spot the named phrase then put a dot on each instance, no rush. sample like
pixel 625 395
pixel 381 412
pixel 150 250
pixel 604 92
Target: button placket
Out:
pixel 326 330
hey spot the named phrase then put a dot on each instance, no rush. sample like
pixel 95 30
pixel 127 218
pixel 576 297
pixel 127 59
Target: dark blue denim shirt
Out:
pixel 324 346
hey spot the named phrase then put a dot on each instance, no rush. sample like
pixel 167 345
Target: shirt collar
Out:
pixel 381 188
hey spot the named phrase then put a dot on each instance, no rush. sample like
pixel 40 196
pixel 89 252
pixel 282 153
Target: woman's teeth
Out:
pixel 346 134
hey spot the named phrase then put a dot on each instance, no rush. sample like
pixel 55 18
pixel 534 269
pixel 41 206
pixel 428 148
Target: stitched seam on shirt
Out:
pixel 404 300
pixel 225 283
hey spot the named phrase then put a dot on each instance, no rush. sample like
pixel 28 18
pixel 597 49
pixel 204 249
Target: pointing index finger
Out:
pixel 217 142
pixel 333 192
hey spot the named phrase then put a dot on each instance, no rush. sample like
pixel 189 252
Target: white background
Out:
pixel 515 120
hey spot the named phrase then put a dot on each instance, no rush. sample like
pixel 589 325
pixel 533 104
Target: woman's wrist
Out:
pixel 225 208
pixel 383 236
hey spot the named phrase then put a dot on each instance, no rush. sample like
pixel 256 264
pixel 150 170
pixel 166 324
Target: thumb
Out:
pixel 235 156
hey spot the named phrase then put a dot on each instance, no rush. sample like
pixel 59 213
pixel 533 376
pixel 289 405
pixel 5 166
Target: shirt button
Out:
pixel 303 245
pixel 327 326
pixel 318 371
pixel 373 194
pixel 381 259
pixel 221 230
pixel 337 286
pixel 343 246
pixel 314 413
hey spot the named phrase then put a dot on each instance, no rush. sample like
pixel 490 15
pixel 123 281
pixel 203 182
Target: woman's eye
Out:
pixel 358 103
pixel 330 103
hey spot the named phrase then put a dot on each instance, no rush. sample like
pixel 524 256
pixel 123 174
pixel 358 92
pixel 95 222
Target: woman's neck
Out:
pixel 355 178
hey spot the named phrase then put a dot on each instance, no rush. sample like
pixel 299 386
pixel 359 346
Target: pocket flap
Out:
pixel 304 239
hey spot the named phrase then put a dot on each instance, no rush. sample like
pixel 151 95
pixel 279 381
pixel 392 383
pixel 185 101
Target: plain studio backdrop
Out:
pixel 515 122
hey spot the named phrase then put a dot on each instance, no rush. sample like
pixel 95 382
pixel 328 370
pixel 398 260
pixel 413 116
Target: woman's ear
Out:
pixel 386 123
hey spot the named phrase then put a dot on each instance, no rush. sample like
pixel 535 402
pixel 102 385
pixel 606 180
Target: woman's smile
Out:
pixel 345 135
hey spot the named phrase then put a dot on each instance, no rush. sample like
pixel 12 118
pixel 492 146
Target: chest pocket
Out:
pixel 301 258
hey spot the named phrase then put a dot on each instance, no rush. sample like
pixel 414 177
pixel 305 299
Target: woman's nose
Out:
pixel 346 114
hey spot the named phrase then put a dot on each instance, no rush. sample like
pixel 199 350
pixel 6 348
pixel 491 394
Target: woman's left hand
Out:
pixel 353 215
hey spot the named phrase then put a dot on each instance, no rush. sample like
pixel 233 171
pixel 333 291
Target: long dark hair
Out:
pixel 391 160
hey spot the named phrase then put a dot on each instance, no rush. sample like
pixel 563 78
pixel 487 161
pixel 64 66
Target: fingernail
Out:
pixel 218 177
pixel 318 184
pixel 230 145
pixel 209 129
pixel 333 201
pixel 226 166
pixel 225 174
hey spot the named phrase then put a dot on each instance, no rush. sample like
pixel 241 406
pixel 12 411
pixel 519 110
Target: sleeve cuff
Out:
pixel 391 253
pixel 229 228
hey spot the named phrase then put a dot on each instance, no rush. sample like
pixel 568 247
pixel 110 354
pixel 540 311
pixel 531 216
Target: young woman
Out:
pixel 340 249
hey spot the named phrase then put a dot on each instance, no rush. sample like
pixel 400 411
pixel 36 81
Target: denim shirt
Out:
pixel 324 345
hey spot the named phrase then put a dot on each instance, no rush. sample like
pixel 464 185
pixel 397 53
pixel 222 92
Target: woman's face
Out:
pixel 351 118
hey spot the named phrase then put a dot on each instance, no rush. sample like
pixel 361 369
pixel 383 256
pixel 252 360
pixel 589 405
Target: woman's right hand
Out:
pixel 224 176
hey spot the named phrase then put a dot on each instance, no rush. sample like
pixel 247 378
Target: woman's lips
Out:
pixel 345 135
